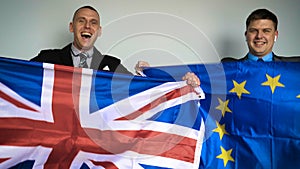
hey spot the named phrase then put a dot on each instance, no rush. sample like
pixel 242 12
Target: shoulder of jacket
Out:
pixel 66 48
pixel 112 58
pixel 229 59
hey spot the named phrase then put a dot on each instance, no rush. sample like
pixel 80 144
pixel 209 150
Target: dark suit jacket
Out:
pixel 275 59
pixel 63 57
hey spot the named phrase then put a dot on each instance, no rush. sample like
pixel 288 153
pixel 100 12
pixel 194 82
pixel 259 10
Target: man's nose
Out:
pixel 87 25
pixel 259 34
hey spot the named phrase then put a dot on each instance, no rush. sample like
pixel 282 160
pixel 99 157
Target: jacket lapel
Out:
pixel 96 60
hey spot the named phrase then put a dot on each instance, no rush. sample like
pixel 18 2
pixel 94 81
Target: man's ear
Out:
pixel 245 35
pixel 71 27
pixel 100 31
pixel 276 36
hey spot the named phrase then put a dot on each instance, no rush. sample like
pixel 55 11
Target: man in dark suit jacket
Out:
pixel 275 58
pixel 86 28
pixel 261 34
pixel 64 57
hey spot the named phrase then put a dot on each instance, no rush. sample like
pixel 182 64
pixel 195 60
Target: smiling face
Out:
pixel 260 36
pixel 86 28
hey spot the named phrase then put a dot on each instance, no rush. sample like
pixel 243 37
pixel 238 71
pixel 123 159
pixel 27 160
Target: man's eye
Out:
pixel 94 22
pixel 81 21
pixel 252 30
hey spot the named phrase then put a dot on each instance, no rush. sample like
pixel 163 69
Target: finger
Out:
pixel 186 76
pixel 143 64
pixel 191 79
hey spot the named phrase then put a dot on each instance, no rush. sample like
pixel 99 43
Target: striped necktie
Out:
pixel 83 56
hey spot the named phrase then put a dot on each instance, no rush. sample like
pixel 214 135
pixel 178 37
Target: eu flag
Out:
pixel 251 111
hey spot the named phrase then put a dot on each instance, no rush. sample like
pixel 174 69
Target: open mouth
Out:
pixel 86 35
pixel 259 43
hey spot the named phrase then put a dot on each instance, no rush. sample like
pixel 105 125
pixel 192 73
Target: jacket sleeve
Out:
pixel 114 65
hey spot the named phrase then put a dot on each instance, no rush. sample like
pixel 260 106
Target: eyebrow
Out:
pixel 259 28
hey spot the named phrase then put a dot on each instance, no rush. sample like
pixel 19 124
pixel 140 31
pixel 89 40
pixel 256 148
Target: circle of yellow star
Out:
pixel 272 82
pixel 225 156
pixel 239 89
pixel 221 130
pixel 223 106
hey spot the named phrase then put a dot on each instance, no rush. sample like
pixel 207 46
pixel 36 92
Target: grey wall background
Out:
pixel 163 32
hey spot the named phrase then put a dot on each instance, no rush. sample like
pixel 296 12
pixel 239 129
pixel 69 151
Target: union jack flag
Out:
pixel 54 116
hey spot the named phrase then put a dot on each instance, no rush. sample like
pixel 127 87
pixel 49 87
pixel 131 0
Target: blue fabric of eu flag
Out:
pixel 251 111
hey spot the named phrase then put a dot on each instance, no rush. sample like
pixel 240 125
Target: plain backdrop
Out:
pixel 162 32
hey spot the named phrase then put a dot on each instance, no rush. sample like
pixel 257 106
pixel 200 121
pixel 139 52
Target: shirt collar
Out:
pixel 76 51
pixel 266 58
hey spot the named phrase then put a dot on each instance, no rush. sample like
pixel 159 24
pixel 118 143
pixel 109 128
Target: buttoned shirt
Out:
pixel 266 58
pixel 76 60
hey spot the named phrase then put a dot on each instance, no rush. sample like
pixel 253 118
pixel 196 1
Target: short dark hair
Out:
pixel 262 14
pixel 83 7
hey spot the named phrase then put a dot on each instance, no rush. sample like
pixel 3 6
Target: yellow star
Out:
pixel 223 106
pixel 225 156
pixel 221 130
pixel 239 89
pixel 272 82
pixel 298 96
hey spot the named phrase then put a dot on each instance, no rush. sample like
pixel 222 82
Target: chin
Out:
pixel 257 52
pixel 86 46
